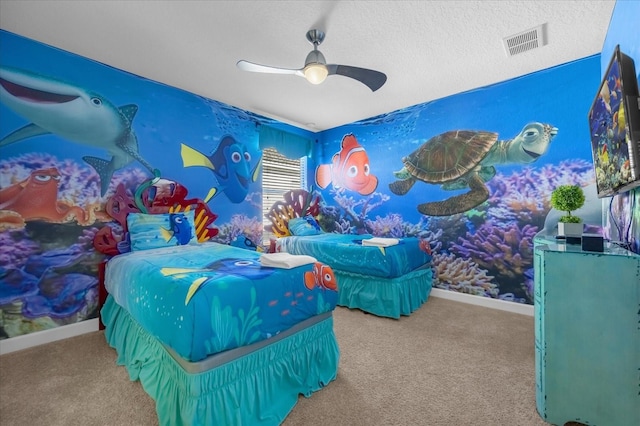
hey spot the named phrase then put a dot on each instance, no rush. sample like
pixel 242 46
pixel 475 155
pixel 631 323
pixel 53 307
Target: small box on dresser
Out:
pixel 592 242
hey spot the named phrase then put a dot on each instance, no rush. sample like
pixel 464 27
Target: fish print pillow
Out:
pixel 304 226
pixel 149 231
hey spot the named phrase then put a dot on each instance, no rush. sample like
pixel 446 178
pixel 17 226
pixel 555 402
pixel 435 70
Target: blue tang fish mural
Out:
pixel 230 163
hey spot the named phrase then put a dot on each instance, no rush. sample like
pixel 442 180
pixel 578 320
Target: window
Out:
pixel 279 175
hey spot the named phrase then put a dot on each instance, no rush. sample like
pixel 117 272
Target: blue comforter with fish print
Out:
pixel 207 298
pixel 345 252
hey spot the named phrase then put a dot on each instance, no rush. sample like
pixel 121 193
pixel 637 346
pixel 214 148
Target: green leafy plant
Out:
pixel 568 198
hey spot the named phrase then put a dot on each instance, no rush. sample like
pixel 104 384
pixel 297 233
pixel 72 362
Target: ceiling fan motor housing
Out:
pixel 315 57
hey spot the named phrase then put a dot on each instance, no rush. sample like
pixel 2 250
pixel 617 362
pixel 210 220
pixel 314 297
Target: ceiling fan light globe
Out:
pixel 315 73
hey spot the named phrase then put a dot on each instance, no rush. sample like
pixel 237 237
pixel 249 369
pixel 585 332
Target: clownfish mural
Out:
pixel 349 169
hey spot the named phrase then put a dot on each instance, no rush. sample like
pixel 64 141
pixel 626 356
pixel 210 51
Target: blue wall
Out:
pixel 487 248
pixel 48 268
pixel 64 155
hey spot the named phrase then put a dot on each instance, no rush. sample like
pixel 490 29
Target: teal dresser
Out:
pixel 587 320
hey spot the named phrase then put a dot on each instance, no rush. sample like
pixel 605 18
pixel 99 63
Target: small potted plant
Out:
pixel 568 198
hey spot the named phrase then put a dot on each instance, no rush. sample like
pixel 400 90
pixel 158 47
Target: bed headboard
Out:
pixel 154 196
pixel 295 203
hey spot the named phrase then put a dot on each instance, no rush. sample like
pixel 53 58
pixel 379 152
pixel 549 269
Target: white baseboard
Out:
pixel 46 336
pixel 518 308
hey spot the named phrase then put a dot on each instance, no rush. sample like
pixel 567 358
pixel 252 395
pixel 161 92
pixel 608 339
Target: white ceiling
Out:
pixel 427 49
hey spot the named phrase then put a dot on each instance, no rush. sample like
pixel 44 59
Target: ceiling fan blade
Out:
pixel 372 79
pixel 250 66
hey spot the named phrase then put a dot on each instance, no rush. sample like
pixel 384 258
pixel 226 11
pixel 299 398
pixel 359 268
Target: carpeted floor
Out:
pixel 449 363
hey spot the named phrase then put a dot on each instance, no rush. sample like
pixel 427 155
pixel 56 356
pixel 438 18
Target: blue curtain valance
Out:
pixel 288 144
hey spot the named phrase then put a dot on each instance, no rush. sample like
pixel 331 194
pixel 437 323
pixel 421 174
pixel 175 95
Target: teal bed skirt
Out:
pixel 385 297
pixel 259 387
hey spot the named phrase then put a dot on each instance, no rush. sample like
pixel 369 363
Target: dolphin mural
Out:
pixel 72 113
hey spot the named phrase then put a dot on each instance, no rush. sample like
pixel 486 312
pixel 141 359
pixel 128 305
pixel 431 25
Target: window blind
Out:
pixel 279 175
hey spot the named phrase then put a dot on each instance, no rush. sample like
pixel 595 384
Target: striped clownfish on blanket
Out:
pixel 321 276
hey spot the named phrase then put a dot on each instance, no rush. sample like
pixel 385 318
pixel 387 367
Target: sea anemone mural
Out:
pixel 240 226
pixel 389 226
pixel 524 196
pixel 351 213
pixel 55 287
pixel 450 227
pixel 485 251
pixel 463 276
pixel 504 251
pixel 295 203
pixel 15 249
pixel 48 265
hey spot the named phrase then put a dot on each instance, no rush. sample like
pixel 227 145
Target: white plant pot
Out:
pixel 570 229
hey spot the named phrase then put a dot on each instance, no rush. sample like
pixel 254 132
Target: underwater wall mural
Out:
pixel 75 133
pixel 472 174
pixel 461 159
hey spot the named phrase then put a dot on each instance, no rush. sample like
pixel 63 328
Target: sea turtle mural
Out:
pixel 461 159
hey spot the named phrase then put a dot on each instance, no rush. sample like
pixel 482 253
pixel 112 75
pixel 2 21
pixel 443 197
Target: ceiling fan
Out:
pixel 316 69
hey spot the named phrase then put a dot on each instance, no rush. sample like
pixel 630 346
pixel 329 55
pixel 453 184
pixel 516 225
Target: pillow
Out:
pixel 304 226
pixel 149 231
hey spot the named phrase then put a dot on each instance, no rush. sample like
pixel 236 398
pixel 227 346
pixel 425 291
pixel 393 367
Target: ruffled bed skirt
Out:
pixel 385 297
pixel 259 388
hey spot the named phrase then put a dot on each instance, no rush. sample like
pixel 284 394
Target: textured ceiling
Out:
pixel 427 49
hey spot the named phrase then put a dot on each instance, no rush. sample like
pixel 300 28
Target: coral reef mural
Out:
pixel 466 174
pixel 295 203
pixel 77 140
pixel 107 132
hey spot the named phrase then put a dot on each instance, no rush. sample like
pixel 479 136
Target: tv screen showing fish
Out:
pixel 614 123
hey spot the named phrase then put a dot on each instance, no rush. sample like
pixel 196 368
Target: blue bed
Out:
pixel 385 281
pixel 217 338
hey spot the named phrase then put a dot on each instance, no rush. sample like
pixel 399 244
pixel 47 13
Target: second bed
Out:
pixel 387 281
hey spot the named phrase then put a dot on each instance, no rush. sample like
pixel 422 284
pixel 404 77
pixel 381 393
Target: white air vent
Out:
pixel 526 40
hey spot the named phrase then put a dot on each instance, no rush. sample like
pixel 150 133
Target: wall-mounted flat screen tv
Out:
pixel 614 122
